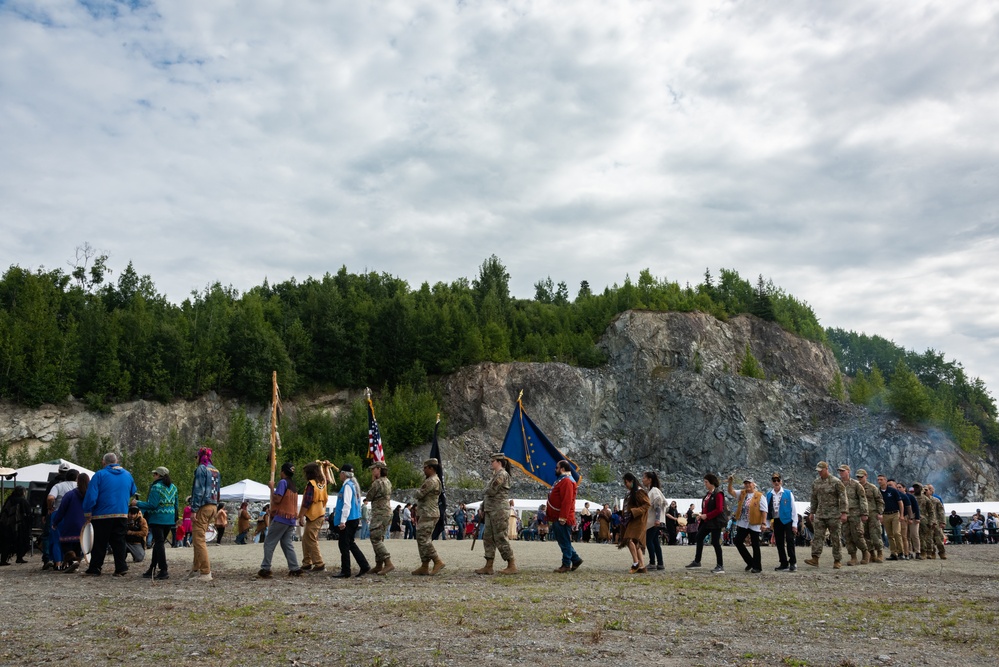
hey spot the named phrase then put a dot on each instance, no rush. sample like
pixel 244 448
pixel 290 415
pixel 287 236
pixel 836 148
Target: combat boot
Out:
pixel 837 565
pixel 511 567
pixel 931 556
pixel 943 556
pixel 423 570
pixel 813 561
pixel 487 568
pixel 377 568
pixel 853 560
pixel 387 567
pixel 867 558
pixel 438 566
pixel 880 558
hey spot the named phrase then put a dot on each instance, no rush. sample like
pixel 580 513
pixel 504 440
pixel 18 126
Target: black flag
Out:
pixel 435 453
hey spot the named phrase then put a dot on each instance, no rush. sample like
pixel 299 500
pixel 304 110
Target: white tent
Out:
pixel 528 505
pixel 40 472
pixel 247 490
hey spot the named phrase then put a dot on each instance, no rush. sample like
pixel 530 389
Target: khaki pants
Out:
pixel 204 518
pixel 894 530
pixel 310 543
pixel 903 527
pixel 914 536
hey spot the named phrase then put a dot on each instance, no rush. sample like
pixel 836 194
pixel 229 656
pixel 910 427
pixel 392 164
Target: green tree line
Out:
pixel 105 341
pixel 918 387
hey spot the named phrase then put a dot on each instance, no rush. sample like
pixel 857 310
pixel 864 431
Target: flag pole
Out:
pixel 274 400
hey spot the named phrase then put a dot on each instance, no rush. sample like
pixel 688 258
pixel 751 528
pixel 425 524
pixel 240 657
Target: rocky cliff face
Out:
pixel 669 399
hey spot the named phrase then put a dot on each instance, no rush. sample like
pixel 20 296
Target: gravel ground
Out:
pixel 912 613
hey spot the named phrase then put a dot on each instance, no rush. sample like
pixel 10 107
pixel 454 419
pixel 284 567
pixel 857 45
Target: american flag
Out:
pixel 375 450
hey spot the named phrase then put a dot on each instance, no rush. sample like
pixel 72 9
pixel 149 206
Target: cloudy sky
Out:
pixel 847 150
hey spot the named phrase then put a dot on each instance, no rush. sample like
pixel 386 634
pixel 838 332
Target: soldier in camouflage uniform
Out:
pixel 380 497
pixel 496 508
pixel 940 518
pixel 857 515
pixel 829 511
pixel 927 520
pixel 428 513
pixel 876 509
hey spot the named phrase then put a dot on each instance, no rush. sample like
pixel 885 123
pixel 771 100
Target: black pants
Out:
pixel 654 546
pixel 715 534
pixel 348 547
pixel 219 532
pixel 784 535
pixel 108 532
pixel 740 544
pixel 159 546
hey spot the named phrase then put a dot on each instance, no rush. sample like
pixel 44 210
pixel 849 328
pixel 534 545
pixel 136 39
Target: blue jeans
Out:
pixel 563 537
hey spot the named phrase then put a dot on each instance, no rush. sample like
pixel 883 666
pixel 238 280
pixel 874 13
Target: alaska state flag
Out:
pixel 530 450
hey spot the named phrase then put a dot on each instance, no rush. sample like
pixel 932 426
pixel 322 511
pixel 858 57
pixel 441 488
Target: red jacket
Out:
pixel 562 501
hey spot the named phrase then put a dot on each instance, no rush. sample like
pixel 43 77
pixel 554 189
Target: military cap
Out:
pixel 498 456
pixel 821 465
pixel 843 468
pixel 861 472
pixel 378 464
pixel 433 463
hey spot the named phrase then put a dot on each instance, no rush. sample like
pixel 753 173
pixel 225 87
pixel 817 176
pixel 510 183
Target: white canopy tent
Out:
pixel 40 472
pixel 247 490
pixel 529 505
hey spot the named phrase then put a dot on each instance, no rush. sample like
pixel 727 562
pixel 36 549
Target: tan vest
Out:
pixel 319 498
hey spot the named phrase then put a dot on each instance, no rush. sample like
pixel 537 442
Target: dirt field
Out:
pixel 912 613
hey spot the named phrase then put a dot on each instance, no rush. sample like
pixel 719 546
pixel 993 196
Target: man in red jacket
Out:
pixel 561 513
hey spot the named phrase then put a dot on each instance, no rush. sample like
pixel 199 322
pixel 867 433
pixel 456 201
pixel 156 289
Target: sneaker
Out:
pixel 264 574
pixel 749 568
pixel 193 574
pixel 295 573
pixel 693 564
pixel 575 566
pixel 73 567
pixel 317 568
pixel 148 574
pixel 306 568
pixel 205 577
pixel 660 567
pixel 793 568
pixel 780 567
pixel 718 570
pixel 756 571
pixel 162 576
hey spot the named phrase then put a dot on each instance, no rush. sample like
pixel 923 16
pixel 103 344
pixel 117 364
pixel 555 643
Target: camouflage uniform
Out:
pixel 828 502
pixel 876 507
pixel 428 513
pixel 496 507
pixel 928 517
pixel 380 496
pixel 856 501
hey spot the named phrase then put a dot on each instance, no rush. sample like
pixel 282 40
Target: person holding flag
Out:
pixel 561 513
pixel 428 513
pixel 380 497
pixel 496 508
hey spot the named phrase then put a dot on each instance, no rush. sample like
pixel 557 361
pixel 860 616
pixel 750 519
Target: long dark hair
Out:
pixel 633 492
pixel 651 474
pixel 165 480
pixel 288 470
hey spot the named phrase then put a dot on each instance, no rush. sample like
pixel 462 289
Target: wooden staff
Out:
pixel 274 436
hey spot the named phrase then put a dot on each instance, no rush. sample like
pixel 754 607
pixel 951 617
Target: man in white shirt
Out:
pixel 781 510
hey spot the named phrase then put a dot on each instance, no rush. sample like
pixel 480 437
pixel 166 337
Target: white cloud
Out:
pixel 847 150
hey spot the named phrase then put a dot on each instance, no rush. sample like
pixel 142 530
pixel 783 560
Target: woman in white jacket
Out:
pixel 654 519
